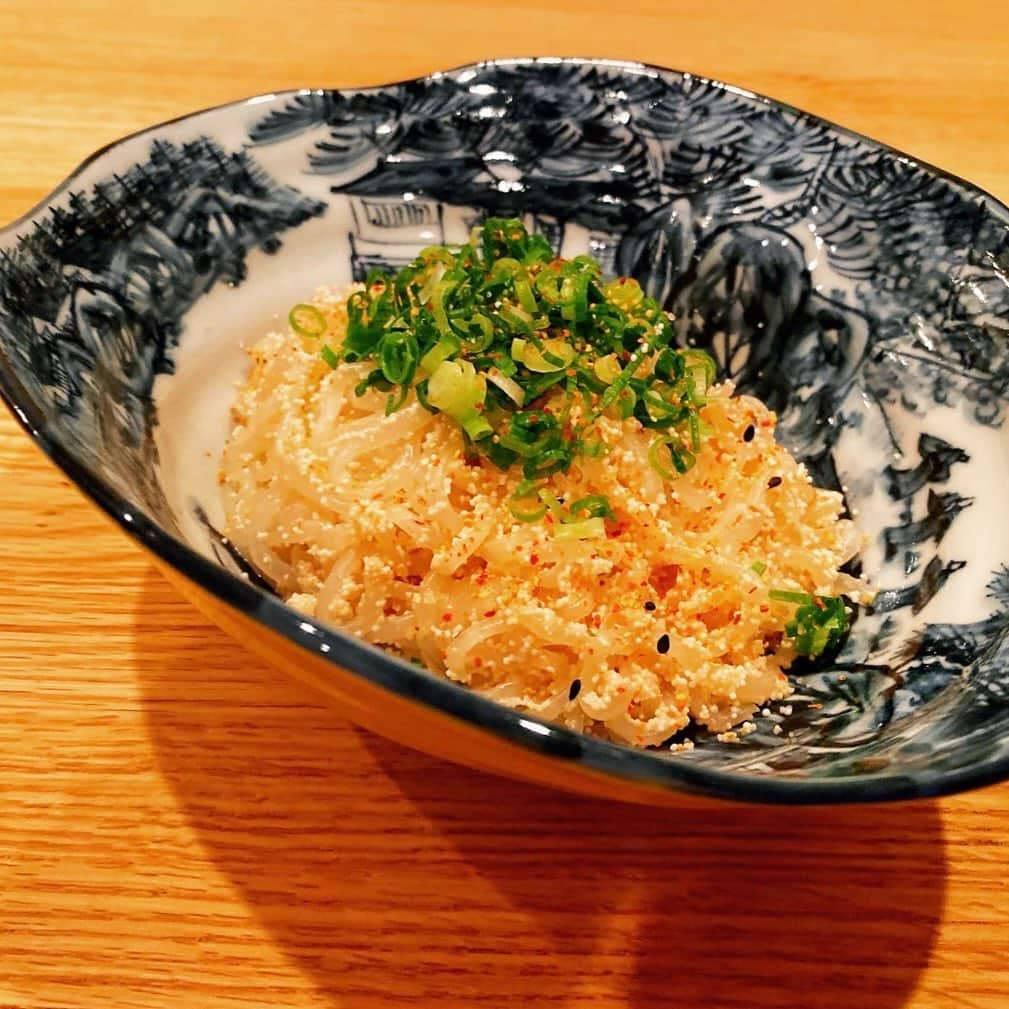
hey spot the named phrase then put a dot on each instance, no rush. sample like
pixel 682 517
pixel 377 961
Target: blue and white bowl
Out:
pixel 861 294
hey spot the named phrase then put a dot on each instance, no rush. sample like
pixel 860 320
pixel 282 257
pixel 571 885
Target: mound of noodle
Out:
pixel 382 526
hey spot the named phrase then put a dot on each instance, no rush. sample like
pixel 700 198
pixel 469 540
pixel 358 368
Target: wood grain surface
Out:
pixel 181 827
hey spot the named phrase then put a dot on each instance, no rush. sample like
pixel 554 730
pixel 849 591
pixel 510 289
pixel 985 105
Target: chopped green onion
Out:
pixel 607 369
pixel 421 390
pixel 759 567
pixel 396 400
pixel 819 621
pixel 555 355
pixel 681 459
pixel 701 363
pixel 504 315
pixel 695 432
pixel 550 500
pixel 374 380
pixel 595 506
pixel 455 388
pixel 447 346
pixel 399 355
pixel 477 427
pixel 625 293
pixel 532 515
pixel 480 333
pixel 782 596
pixel 524 293
pixel 307 320
pixel 508 386
pixel 525 491
pixel 589 529
pixel 438 307
pixel 551 461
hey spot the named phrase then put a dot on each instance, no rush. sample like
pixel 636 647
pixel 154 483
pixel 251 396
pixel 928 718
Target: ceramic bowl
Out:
pixel 860 293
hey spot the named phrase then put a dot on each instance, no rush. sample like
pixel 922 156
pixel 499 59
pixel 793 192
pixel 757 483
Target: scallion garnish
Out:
pixel 307 320
pixel 503 309
pixel 669 457
pixel 398 356
pixel 782 596
pixel 819 621
pixel 595 506
pixel 587 529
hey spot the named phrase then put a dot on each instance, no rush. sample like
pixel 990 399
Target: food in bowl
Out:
pixel 498 464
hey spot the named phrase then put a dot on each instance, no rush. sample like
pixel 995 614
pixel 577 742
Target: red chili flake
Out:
pixel 478 662
pixel 481 578
pixel 414 579
pixel 772 641
pixel 663 577
pixel 446 617
pixel 737 618
pixel 490 613
pixel 534 558
pixel 764 608
pixel 549 519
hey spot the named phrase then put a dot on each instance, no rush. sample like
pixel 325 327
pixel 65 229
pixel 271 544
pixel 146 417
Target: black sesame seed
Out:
pixel 649 606
pixel 749 433
pixel 662 645
pixel 576 687
pixel 774 481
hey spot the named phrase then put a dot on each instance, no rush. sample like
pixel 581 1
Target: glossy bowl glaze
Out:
pixel 863 295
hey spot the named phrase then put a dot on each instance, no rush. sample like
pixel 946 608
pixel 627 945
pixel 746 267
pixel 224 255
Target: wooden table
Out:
pixel 181 827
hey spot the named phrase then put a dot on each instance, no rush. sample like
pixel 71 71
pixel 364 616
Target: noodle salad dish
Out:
pixel 497 463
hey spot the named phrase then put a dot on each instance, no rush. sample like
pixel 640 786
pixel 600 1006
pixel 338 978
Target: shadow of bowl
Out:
pixel 391 877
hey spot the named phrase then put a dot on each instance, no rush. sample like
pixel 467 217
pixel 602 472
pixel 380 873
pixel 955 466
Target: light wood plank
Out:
pixel 180 826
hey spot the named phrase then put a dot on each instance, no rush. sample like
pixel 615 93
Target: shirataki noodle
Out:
pixel 384 526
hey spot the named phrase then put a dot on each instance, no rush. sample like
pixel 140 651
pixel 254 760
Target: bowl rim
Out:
pixel 360 659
